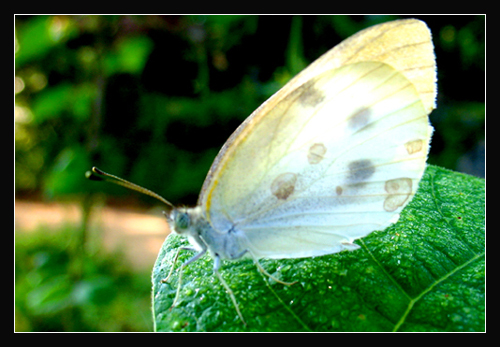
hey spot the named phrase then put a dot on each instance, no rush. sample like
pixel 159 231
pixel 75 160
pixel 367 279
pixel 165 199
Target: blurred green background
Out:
pixel 152 99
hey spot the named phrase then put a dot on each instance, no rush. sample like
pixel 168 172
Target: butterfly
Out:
pixel 334 155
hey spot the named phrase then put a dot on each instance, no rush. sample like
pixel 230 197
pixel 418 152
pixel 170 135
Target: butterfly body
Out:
pixel 191 223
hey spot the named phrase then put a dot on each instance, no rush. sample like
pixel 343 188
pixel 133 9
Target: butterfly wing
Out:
pixel 335 154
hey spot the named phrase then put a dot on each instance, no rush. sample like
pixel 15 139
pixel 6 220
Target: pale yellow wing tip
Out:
pixel 404 44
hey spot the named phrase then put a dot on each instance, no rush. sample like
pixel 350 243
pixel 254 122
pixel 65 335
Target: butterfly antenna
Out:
pixel 98 175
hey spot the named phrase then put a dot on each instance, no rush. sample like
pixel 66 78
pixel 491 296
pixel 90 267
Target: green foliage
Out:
pixel 425 273
pixel 59 287
pixel 65 178
pixel 40 36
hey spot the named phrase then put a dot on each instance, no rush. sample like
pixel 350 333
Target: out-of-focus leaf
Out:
pixel 67 175
pixel 130 56
pixel 75 100
pixel 39 35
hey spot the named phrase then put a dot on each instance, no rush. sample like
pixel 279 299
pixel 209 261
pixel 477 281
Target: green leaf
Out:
pixel 425 273
pixel 66 177
pixel 74 99
pixel 36 37
pixel 130 56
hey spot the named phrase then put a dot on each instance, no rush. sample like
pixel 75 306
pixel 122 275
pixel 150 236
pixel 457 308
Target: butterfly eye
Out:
pixel 181 220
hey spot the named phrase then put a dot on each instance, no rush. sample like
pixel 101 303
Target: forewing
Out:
pixel 334 155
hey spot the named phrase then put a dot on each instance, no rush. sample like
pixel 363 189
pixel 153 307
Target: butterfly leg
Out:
pixel 226 287
pixel 165 280
pixel 261 269
pixel 193 259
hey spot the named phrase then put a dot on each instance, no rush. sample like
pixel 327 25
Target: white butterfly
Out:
pixel 334 155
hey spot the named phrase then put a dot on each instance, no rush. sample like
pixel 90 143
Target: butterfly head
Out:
pixel 179 220
pixel 186 221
